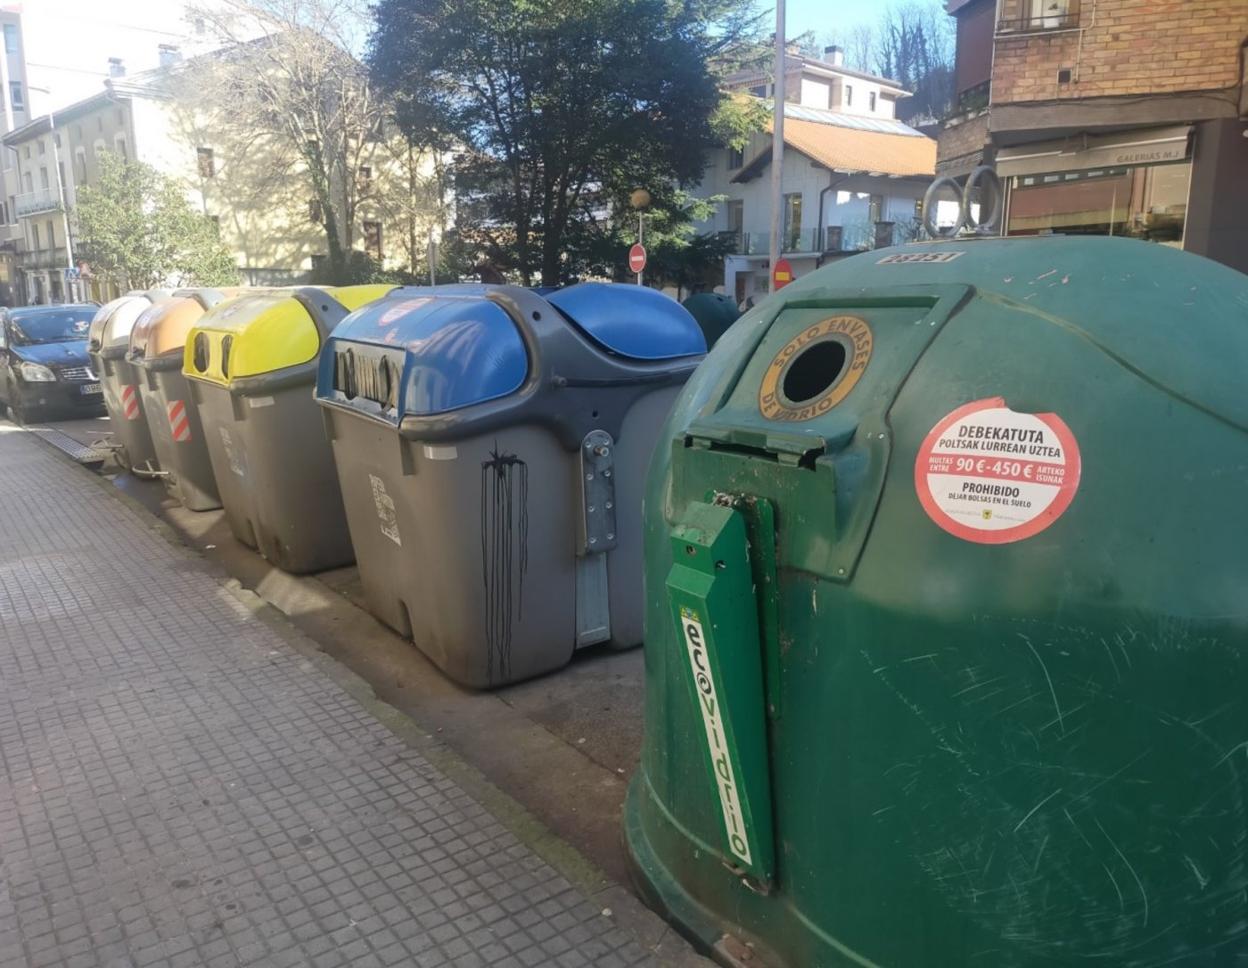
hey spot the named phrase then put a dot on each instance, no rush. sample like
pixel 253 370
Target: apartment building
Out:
pixel 854 176
pixel 14 112
pixel 255 189
pixel 1108 117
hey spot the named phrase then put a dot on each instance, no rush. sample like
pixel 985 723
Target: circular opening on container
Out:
pixel 200 352
pixel 226 345
pixel 814 370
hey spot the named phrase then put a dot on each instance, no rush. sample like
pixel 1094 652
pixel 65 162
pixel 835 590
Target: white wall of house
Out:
pixel 847 204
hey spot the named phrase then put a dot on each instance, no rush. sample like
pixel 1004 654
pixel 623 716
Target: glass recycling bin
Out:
pixel 946 638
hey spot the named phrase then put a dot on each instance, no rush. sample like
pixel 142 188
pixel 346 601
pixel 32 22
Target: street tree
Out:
pixel 286 74
pixel 137 229
pixel 557 109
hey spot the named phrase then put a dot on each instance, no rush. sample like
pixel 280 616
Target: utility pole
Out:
pixel 777 144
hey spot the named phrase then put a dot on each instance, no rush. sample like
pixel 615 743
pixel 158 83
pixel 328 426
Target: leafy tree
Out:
pixel 137 228
pixel 286 74
pixel 676 254
pixel 559 108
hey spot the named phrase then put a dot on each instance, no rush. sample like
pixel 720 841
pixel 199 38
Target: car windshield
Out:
pixel 52 325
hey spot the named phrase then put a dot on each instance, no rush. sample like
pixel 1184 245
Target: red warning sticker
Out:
pixel 991 475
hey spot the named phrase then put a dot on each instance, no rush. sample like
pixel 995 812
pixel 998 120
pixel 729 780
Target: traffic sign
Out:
pixel 781 275
pixel 637 258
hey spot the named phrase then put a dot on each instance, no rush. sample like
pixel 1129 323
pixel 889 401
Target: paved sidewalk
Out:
pixel 180 786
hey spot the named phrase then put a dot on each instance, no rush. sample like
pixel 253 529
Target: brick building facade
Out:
pixel 1108 117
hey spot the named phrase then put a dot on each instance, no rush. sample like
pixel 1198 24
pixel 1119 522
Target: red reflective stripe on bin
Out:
pixel 130 401
pixel 179 422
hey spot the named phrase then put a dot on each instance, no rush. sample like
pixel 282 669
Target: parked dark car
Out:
pixel 43 361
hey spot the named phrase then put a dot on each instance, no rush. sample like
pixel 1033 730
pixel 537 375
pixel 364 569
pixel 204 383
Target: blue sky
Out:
pixel 828 16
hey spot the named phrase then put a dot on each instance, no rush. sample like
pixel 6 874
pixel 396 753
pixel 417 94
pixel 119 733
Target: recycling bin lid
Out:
pixel 443 351
pixel 110 327
pixel 631 321
pixel 162 328
pixel 264 331
pixel 714 312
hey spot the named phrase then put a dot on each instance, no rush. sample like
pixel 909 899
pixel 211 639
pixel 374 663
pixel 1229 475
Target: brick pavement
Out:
pixel 181 786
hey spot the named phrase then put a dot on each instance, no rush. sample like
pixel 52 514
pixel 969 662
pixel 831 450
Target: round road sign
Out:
pixel 637 258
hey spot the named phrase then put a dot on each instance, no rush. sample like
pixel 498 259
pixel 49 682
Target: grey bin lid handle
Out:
pixel 326 311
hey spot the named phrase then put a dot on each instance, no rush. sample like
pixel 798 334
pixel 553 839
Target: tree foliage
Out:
pixel 136 228
pixel 558 108
pixel 286 72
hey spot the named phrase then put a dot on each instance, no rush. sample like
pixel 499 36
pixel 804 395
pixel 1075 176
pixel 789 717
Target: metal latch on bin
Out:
pixel 598 490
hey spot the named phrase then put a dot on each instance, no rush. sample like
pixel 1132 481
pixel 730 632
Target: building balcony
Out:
pixel 759 243
pixel 855 237
pixel 1054 15
pixel 55 258
pixel 36 203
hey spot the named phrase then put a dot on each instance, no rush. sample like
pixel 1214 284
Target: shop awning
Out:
pixel 1149 146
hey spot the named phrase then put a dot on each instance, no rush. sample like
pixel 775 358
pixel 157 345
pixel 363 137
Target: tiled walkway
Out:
pixel 180 786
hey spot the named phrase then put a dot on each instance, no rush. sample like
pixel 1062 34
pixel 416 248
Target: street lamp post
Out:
pixel 60 192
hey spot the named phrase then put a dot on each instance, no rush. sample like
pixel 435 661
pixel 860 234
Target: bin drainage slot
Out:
pixel 814 370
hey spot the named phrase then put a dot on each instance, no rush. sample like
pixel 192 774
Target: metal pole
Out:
pixel 777 144
pixel 60 192
pixel 641 239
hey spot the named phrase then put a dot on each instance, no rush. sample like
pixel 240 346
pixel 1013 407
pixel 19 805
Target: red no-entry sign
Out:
pixel 781 275
pixel 637 258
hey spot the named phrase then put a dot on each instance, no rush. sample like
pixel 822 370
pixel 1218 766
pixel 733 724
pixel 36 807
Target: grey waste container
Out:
pixel 157 347
pixel 251 365
pixel 491 446
pixel 107 344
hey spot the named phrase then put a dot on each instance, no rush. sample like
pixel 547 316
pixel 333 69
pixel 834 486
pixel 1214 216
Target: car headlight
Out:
pixel 36 373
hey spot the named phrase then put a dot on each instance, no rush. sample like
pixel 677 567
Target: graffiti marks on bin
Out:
pixel 233 453
pixel 504 554
pixel 386 512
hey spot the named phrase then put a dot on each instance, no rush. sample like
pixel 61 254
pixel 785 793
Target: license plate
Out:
pixel 89 388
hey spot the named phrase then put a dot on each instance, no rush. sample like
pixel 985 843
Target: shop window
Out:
pixel 1148 202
